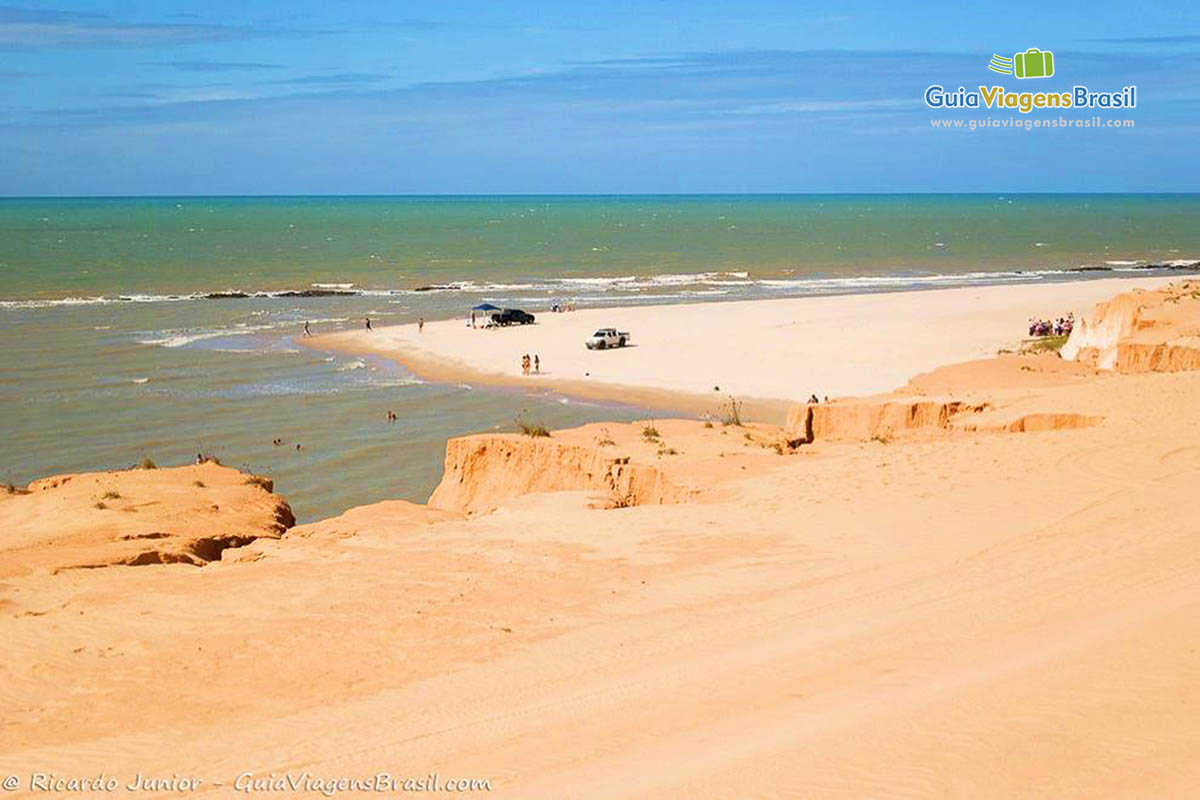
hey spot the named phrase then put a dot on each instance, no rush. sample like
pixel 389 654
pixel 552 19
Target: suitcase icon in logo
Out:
pixel 1033 63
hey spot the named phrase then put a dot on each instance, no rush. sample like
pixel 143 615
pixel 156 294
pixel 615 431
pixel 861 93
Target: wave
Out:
pixel 630 285
pixel 184 337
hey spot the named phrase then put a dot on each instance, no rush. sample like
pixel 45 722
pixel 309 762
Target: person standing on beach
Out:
pixel 368 319
pixel 307 332
pixel 420 324
pixel 525 364
pixel 537 364
pixel 472 319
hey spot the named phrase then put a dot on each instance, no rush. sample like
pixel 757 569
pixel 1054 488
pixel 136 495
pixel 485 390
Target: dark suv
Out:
pixel 510 316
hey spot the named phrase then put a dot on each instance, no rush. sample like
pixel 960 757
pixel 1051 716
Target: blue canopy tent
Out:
pixel 487 309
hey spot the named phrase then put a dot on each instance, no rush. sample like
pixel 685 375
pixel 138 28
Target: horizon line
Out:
pixel 499 195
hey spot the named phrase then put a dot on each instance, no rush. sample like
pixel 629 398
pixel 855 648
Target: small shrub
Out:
pixel 650 433
pixel 617 500
pixel 198 484
pixel 147 463
pixel 266 484
pixel 100 506
pixel 534 429
pixel 1045 344
pixel 667 451
pixel 112 494
pixel 882 438
pixel 708 423
pixel 10 487
pixel 607 440
pixel 731 412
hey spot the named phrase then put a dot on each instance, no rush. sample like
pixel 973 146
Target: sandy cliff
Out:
pixel 483 471
pixel 1006 394
pixel 1141 331
pixel 136 517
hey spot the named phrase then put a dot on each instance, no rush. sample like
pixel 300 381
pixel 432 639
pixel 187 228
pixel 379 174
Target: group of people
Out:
pixel 559 308
pixel 1059 327
pixel 536 364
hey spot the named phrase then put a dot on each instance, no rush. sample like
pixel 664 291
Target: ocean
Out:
pixel 161 328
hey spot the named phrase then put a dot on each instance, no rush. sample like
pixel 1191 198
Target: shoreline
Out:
pixel 435 369
pixel 753 350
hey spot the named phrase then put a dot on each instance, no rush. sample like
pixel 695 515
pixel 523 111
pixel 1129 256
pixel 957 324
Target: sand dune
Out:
pixel 902 606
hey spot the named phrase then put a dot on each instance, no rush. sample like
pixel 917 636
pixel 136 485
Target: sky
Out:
pixel 558 96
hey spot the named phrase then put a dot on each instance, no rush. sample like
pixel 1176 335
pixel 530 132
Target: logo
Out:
pixel 1033 63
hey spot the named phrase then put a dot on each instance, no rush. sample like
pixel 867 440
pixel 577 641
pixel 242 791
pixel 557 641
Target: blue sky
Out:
pixel 305 97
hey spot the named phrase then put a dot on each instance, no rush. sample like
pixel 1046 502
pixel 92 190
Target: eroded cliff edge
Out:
pixel 1141 331
pixel 136 517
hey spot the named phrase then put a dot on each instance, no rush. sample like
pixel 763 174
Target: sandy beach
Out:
pixel 690 356
pixel 984 584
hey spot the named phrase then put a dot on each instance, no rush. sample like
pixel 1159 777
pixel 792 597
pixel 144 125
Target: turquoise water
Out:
pixel 114 348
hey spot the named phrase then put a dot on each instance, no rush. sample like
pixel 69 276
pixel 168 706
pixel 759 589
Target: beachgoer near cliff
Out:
pixel 307 332
pixel 537 363
pixel 525 364
pixel 472 319
pixel 368 319
pixel 420 324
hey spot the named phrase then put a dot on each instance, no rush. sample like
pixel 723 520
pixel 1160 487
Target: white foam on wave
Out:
pixel 619 285
pixel 389 383
pixel 184 337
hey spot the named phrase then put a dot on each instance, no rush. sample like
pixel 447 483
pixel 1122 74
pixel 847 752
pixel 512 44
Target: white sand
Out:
pixel 775 349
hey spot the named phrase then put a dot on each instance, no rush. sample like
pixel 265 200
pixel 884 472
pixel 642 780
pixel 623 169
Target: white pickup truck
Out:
pixel 606 338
